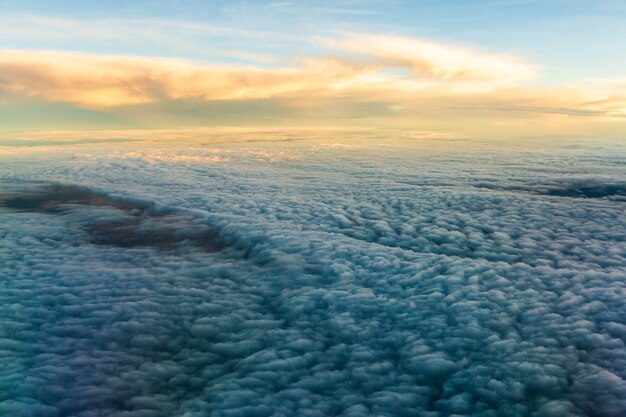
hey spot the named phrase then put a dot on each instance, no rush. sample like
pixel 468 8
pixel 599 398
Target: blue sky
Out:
pixel 571 39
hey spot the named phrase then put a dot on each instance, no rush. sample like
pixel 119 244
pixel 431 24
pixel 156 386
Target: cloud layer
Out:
pixel 352 80
pixel 395 283
pixel 366 72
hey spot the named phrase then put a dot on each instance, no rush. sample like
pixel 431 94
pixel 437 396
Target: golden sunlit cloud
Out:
pixel 403 77
pixel 108 81
pixel 155 156
pixel 439 61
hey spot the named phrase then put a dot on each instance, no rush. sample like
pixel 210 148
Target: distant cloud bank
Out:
pixel 398 74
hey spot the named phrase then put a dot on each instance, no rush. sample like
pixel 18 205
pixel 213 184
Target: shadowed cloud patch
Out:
pixel 576 189
pixel 589 190
pixel 116 222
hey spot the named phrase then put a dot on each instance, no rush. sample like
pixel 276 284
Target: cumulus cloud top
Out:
pixel 394 284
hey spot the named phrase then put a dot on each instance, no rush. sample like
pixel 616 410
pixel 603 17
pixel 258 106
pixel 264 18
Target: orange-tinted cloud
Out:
pixel 440 61
pixel 404 76
pixel 109 81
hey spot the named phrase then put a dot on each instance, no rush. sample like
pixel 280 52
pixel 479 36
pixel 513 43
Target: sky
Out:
pixel 510 68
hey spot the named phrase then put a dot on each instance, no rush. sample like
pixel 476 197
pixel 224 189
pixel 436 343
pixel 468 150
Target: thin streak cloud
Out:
pixel 441 61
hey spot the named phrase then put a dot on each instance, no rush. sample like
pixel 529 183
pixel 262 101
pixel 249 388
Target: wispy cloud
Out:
pixel 109 81
pixel 376 76
pixel 440 61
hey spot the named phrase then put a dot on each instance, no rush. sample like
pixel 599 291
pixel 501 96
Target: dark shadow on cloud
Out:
pixel 589 190
pixel 124 224
pixel 165 232
pixel 579 189
pixel 51 198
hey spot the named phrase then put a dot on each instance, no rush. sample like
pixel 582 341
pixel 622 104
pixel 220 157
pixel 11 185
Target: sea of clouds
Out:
pixel 313 277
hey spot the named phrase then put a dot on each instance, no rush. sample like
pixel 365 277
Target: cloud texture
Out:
pixel 395 284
